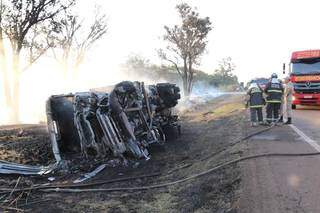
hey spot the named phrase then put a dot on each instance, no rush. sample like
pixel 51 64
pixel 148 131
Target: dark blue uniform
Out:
pixel 256 102
pixel 274 91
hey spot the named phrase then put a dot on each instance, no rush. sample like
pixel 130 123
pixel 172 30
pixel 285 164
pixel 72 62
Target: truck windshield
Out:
pixel 306 67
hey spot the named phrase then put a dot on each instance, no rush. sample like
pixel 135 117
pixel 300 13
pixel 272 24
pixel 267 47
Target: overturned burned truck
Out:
pixel 121 123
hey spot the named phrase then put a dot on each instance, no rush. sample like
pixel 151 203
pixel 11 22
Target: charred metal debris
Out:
pixel 122 123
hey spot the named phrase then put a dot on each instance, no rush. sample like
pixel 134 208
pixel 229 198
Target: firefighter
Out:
pixel 255 103
pixel 287 107
pixel 274 92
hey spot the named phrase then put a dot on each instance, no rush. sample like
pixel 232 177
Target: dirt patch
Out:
pixel 208 129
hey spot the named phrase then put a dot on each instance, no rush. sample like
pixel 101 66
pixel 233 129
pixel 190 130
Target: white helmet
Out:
pixel 253 85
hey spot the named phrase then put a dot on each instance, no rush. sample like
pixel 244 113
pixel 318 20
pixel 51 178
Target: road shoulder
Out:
pixel 279 184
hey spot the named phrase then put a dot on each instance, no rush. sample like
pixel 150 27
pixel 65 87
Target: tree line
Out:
pixel 222 77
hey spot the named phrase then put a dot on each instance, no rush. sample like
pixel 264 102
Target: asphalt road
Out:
pixel 307 119
pixel 284 184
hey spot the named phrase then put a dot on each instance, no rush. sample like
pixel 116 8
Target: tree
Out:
pixel 3 64
pixel 74 39
pixel 186 44
pixel 224 74
pixel 20 22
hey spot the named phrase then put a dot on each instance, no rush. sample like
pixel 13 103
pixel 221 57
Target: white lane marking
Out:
pixel 312 143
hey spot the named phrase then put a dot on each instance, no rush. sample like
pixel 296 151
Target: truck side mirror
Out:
pixel 284 68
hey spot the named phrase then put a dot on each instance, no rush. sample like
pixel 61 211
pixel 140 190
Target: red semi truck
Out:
pixel 305 76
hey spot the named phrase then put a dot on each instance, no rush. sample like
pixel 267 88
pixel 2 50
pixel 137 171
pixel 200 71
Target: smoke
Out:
pixel 46 78
pixel 201 93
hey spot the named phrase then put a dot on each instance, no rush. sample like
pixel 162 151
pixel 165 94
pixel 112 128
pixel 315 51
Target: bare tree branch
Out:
pixel 163 56
pixel 75 39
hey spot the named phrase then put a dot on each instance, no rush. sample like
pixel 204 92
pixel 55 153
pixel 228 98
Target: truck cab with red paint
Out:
pixel 305 76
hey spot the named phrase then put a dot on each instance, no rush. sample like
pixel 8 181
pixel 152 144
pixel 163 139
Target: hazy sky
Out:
pixel 258 35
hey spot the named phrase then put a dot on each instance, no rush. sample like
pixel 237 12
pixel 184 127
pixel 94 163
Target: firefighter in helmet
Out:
pixel 255 102
pixel 274 92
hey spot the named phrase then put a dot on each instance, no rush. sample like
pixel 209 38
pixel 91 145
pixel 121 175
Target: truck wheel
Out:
pixel 294 106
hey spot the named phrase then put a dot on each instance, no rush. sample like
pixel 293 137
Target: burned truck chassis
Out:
pixel 87 123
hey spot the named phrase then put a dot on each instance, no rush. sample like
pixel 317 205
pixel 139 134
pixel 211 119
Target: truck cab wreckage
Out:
pixel 122 123
pixel 97 126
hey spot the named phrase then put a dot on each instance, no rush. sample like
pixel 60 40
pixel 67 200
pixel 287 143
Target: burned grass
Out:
pixel 26 144
pixel 209 128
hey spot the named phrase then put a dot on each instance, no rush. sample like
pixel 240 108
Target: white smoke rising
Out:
pixel 204 92
pixel 201 93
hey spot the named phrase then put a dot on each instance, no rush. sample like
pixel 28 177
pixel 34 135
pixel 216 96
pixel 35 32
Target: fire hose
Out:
pixel 142 188
pixel 72 188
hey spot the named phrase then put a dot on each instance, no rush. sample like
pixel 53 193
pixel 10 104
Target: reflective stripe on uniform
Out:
pixel 274 101
pixel 256 106
pixel 278 91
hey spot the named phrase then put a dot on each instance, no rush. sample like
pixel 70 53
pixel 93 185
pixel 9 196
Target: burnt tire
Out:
pixel 63 113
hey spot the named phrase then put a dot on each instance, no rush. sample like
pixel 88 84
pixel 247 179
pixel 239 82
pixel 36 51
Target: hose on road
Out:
pixel 71 188
pixel 238 141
